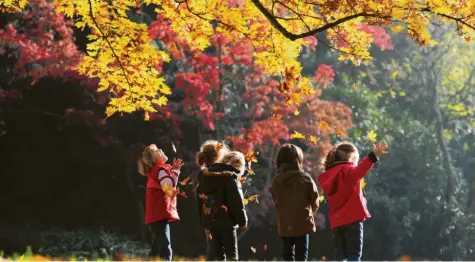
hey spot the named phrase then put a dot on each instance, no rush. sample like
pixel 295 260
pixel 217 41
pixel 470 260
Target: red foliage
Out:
pixel 380 37
pixel 324 75
pixel 43 42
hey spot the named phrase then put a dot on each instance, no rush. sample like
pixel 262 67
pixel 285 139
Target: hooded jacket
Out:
pixel 220 190
pixel 294 191
pixel 342 185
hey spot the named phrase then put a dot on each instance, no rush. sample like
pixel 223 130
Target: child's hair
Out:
pixel 146 160
pixel 209 153
pixel 342 152
pixel 290 154
pixel 235 159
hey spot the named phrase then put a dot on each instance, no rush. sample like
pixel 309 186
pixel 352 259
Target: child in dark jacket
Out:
pixel 296 199
pixel 341 182
pixel 222 205
pixel 210 152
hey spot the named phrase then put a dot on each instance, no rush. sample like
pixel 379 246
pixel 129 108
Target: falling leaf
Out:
pixel 224 207
pixel 202 196
pixel 297 135
pixel 173 147
pixel 323 125
pixel 397 28
pixel 405 258
pixel 242 180
pixel 340 132
pixel 250 156
pixel 185 181
pixel 363 183
pixel 210 236
pixel 324 258
pixel 296 112
pixel 372 136
pixel 253 249
pixel 182 193
pixel 250 199
pixel 321 198
pixel 250 171
pixel 394 75
pixel 313 139
pixel 265 247
pixel 196 187
pixel 353 86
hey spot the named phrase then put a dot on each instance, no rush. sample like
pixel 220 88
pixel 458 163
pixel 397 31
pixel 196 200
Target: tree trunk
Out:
pixel 447 161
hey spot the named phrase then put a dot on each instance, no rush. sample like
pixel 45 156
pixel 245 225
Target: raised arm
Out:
pixel 167 183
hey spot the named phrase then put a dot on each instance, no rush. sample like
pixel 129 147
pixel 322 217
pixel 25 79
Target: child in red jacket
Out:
pixel 341 182
pixel 160 199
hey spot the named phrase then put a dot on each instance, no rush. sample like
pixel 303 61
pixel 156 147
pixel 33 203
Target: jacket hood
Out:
pixel 329 178
pixel 287 171
pixel 221 170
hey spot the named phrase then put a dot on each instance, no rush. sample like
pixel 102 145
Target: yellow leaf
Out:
pixel 372 136
pixel 394 75
pixel 313 139
pixel 363 183
pixel 353 86
pixel 296 112
pixel 297 135
pixel 397 28
pixel 321 198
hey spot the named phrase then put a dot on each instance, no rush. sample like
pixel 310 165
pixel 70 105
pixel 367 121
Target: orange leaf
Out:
pixel 224 207
pixel 196 187
pixel 324 258
pixel 210 236
pixel 251 172
pixel 253 249
pixel 341 133
pixel 185 181
pixel 296 112
pixel 323 125
pixel 265 247
pixel 250 156
pixel 203 196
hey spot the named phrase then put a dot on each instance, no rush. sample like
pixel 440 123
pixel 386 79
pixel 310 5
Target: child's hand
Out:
pixel 380 149
pixel 177 164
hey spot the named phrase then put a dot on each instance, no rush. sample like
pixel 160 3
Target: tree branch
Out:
pixel 91 13
pixel 272 19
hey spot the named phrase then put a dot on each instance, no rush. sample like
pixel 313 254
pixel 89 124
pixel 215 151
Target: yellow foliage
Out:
pixel 372 136
pixel 120 52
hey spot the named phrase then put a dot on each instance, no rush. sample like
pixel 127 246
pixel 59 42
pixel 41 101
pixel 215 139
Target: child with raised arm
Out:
pixel 160 199
pixel 296 199
pixel 223 206
pixel 341 182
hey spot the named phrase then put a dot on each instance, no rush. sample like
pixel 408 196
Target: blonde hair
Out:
pixel 209 153
pixel 236 159
pixel 146 160
pixel 342 152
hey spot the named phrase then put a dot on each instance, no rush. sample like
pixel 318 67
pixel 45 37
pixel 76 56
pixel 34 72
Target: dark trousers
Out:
pixel 295 248
pixel 222 245
pixel 161 245
pixel 348 240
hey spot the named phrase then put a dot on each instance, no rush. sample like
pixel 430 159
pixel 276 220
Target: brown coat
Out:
pixel 293 192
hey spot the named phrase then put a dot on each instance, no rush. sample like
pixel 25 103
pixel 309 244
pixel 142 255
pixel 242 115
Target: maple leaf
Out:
pixel 296 112
pixel 250 199
pixel 225 208
pixel 265 247
pixel 323 125
pixel 324 258
pixel 341 133
pixel 313 139
pixel 354 86
pixel 250 156
pixel 321 198
pixel 297 135
pixel 372 136
pixel 242 180
pixel 185 181
pixel 202 196
pixel 253 249
pixel 363 183
pixel 196 187
pixel 250 171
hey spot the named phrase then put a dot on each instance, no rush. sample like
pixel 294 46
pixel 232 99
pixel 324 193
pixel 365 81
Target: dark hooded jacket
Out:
pixel 294 191
pixel 220 192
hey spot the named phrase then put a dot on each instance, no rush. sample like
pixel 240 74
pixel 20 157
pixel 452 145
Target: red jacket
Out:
pixel 158 206
pixel 342 185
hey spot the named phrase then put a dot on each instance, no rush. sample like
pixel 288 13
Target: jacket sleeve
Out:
pixel 312 191
pixel 356 173
pixel 235 202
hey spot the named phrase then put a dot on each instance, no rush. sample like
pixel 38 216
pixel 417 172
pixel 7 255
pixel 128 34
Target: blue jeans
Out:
pixel 295 248
pixel 161 245
pixel 348 241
